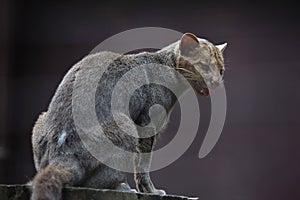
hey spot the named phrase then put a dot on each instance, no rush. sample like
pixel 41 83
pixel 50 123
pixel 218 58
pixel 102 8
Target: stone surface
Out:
pixel 22 192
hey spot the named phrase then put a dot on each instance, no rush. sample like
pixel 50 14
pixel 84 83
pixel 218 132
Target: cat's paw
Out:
pixel 133 190
pixel 123 187
pixel 159 192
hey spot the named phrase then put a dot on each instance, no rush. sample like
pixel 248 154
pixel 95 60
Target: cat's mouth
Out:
pixel 200 88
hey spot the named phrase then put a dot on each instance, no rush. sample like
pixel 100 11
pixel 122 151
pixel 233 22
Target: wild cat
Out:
pixel 60 157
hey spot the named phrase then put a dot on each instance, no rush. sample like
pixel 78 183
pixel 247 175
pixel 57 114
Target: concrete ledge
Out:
pixel 22 192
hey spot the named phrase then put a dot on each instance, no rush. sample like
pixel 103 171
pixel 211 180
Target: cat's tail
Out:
pixel 49 182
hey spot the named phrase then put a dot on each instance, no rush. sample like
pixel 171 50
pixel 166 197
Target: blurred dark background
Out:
pixel 257 156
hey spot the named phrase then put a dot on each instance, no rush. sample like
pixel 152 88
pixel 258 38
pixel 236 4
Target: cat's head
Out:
pixel 201 62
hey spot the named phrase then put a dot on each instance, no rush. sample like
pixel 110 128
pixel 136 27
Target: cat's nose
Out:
pixel 221 79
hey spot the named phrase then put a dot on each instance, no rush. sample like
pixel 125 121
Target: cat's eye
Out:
pixel 222 72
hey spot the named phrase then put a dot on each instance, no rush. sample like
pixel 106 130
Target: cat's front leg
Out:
pixel 142 166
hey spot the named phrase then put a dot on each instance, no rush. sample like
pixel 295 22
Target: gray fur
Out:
pixel 59 155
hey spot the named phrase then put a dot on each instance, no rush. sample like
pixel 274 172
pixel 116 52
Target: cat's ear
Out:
pixel 188 43
pixel 222 47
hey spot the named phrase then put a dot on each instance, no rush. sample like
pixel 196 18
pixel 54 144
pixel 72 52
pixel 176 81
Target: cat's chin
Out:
pixel 204 92
pixel 200 90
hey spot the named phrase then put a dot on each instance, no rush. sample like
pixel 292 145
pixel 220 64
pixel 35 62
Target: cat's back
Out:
pixel 101 71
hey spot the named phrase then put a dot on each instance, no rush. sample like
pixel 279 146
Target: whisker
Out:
pixel 186 70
